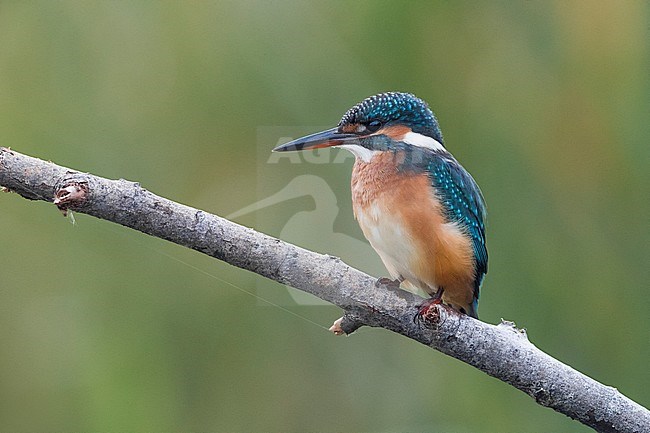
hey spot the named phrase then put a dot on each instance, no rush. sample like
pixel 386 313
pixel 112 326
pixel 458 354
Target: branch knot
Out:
pixel 72 196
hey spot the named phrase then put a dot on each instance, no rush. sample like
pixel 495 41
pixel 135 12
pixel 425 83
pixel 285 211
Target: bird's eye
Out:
pixel 373 126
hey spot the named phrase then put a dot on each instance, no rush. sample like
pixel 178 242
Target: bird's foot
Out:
pixel 426 310
pixel 391 284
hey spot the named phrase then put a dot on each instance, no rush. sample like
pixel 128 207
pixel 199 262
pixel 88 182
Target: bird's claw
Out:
pixel 387 282
pixel 427 311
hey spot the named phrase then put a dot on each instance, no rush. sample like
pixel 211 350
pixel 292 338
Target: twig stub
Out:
pixel 71 197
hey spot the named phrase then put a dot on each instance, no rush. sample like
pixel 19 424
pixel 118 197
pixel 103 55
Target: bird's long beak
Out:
pixel 328 138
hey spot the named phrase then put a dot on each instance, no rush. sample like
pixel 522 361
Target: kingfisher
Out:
pixel 421 211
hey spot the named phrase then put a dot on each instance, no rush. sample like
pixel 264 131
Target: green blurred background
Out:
pixel 105 329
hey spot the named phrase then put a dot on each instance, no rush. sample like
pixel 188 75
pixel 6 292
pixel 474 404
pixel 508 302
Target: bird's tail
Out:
pixel 472 309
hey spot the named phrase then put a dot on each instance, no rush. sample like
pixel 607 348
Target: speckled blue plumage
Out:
pixel 395 107
pixel 463 203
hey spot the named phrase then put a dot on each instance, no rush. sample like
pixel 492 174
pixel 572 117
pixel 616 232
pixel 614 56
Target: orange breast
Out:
pixel 403 221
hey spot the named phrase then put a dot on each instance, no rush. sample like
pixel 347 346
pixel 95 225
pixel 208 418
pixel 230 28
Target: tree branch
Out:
pixel 502 351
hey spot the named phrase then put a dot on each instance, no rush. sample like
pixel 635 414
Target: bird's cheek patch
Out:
pixel 352 128
pixel 396 132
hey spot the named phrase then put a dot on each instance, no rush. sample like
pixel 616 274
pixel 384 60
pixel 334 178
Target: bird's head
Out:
pixel 383 122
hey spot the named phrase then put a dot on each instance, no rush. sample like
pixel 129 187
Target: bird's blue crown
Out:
pixel 395 108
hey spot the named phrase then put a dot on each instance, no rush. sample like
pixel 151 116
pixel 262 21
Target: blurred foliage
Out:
pixel 105 329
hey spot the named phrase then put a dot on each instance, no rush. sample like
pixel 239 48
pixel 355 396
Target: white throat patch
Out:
pixel 360 152
pixel 419 140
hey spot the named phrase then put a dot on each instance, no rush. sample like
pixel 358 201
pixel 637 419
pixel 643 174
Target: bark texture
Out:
pixel 502 350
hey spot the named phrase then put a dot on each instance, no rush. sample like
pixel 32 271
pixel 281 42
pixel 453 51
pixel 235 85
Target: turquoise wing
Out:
pixel 463 203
